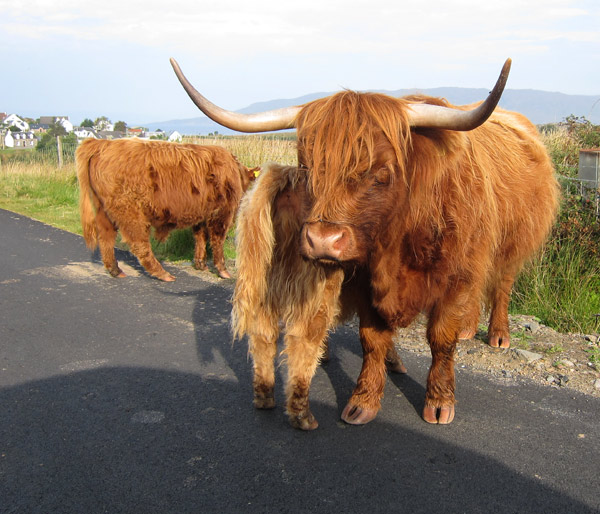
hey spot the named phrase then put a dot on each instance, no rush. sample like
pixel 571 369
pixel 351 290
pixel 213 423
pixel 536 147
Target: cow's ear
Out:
pixel 255 172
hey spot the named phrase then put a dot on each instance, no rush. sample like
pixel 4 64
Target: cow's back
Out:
pixel 171 184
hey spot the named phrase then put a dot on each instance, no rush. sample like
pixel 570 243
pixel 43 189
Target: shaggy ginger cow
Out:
pixel 433 207
pixel 275 284
pixel 132 185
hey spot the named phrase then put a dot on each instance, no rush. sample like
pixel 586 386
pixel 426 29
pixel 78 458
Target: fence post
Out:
pixel 59 150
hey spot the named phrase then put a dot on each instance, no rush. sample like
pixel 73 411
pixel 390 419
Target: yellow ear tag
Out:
pixel 256 173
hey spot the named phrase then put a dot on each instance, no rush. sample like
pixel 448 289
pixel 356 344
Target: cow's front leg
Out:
pixel 263 350
pixel 377 344
pixel 442 334
pixel 303 355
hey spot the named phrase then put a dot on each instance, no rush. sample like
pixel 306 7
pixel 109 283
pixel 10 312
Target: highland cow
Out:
pixel 132 185
pixel 432 208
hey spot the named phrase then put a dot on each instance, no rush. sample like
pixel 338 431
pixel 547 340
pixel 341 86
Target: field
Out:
pixel 561 286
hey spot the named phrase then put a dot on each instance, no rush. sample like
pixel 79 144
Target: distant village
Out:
pixel 16 132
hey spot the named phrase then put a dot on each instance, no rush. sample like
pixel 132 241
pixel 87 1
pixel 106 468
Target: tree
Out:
pixel 121 126
pixel 102 123
pixel 56 129
pixel 48 141
pixel 87 123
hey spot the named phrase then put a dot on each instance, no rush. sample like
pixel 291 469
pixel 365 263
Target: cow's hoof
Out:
pixel 117 273
pixel 355 415
pixel 303 421
pixel 200 266
pixel 466 334
pixel 499 341
pixel 439 415
pixel 396 367
pixel 225 274
pixel 166 277
pixel 264 401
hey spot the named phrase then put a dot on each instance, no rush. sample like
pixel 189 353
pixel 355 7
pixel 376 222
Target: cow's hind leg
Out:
pixel 137 235
pixel 263 350
pixel 107 235
pixel 470 321
pixel 217 230
pixel 303 354
pixel 442 334
pixel 200 237
pixel 394 362
pixel 498 330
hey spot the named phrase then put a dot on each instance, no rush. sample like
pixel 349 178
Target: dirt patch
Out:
pixel 79 271
pixel 537 353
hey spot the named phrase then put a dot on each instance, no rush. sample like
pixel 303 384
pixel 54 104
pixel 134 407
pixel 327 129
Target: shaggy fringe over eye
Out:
pixel 338 138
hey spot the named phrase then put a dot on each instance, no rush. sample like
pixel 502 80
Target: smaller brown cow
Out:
pixel 276 284
pixel 132 185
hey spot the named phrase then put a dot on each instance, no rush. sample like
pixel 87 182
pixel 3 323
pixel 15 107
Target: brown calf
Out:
pixel 276 284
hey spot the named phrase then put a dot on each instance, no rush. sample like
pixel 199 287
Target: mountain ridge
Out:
pixel 540 107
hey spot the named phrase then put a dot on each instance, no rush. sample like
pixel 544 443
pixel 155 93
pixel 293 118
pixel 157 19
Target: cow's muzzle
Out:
pixel 324 241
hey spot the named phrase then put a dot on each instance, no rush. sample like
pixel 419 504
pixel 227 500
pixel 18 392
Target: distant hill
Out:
pixel 539 106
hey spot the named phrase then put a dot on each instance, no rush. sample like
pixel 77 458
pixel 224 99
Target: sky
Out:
pixel 86 58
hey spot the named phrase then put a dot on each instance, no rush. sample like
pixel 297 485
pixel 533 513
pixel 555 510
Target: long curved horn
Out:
pixel 435 116
pixel 277 119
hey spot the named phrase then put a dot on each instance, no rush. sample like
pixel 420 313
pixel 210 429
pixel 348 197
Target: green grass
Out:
pixel 561 286
pixel 43 193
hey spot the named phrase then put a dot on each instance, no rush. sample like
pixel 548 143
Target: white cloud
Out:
pixel 241 27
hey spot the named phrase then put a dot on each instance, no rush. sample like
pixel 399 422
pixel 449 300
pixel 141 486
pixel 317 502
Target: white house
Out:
pixel 19 139
pixel 25 139
pixel 12 120
pixel 175 136
pixel 64 121
pixel 59 120
pixel 84 133
pixel 9 140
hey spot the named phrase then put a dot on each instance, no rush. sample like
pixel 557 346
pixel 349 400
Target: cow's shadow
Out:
pixel 214 340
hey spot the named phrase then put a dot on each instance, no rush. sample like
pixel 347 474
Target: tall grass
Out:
pixel 561 285
pixel 254 150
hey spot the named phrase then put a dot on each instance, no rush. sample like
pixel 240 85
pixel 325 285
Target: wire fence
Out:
pixel 58 154
pixel 587 191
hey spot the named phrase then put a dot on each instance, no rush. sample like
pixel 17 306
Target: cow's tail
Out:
pixel 86 209
pixel 255 242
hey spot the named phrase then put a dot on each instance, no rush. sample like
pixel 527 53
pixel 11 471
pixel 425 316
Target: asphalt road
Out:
pixel 129 396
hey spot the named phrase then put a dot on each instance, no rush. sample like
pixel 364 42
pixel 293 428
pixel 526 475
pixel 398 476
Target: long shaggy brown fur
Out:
pixel 275 284
pixel 437 220
pixel 132 185
pixel 276 288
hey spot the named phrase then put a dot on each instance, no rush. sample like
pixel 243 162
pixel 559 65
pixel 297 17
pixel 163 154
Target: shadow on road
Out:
pixel 140 440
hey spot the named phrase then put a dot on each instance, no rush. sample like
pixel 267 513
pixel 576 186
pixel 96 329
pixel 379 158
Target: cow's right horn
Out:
pixel 277 119
pixel 435 116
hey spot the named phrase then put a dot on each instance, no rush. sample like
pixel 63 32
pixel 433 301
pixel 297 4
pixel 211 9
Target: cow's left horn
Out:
pixel 434 116
pixel 277 119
